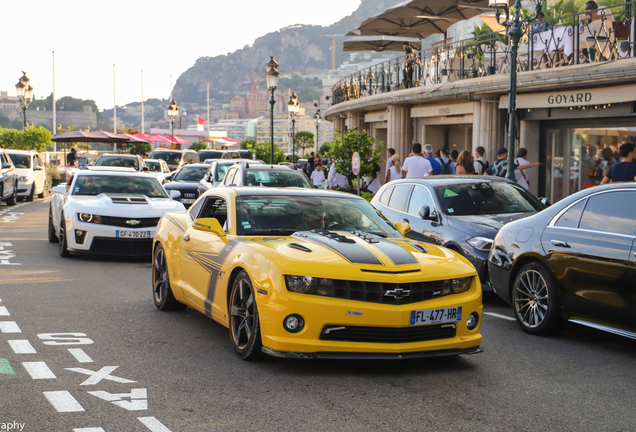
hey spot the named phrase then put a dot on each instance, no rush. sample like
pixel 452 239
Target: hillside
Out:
pixel 299 48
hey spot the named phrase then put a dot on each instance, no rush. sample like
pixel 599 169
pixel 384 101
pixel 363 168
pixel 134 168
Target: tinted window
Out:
pixel 194 210
pixel 611 212
pixel 482 198
pixel 154 166
pixel 420 197
pixel 209 154
pixel 116 161
pixel 172 157
pixel 95 185
pixel 21 161
pixel 399 197
pixel 220 171
pixel 571 218
pixel 190 174
pixel 215 208
pixel 275 178
pixel 386 195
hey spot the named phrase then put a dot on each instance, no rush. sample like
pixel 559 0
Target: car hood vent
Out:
pixel 128 200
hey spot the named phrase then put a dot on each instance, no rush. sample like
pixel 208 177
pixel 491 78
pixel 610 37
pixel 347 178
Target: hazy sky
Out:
pixel 161 37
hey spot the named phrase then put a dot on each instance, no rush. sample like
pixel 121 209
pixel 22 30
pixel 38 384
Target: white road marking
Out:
pixel 65 339
pixel 39 370
pixel 22 346
pixel 496 315
pixel 80 355
pixel 138 399
pixel 63 401
pixel 4 311
pixel 9 327
pixel 153 424
pixel 97 376
pixel 6 255
pixel 89 430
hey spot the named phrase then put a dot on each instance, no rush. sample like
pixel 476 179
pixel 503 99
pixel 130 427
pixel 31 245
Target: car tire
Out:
pixel 41 194
pixel 13 199
pixel 161 290
pixel 64 253
pixel 52 236
pixel 29 197
pixel 535 301
pixel 245 328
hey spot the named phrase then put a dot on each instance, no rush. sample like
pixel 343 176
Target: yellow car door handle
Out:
pixel 186 238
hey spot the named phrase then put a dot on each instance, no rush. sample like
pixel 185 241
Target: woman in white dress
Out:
pixel 395 172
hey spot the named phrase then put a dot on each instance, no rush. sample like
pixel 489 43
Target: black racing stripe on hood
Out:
pixel 352 252
pixel 396 253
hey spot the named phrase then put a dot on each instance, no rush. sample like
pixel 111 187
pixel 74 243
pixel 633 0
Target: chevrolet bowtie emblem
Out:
pixel 132 222
pixel 397 293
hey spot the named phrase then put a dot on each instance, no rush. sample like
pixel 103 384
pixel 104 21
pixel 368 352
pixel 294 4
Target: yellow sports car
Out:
pixel 314 274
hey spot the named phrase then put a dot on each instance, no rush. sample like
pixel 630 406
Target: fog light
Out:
pixel 472 321
pixel 79 233
pixel 294 323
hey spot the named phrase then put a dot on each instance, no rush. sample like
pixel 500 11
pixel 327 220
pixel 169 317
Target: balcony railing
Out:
pixel 602 36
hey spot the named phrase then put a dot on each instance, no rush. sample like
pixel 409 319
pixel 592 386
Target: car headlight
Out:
pixel 480 243
pixel 24 179
pixel 89 218
pixel 460 285
pixel 301 284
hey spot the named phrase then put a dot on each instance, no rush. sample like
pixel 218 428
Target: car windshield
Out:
pixel 209 154
pixel 220 171
pixel 21 161
pixel 276 178
pixel 118 161
pixel 97 184
pixel 153 166
pixel 190 174
pixel 284 215
pixel 172 157
pixel 482 198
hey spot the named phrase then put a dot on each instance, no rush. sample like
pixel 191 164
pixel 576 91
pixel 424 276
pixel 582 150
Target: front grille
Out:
pixel 375 292
pixel 121 222
pixel 388 334
pixel 117 246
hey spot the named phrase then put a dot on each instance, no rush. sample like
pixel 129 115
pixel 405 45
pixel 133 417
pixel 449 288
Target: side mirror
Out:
pixel 403 227
pixel 6 165
pixel 425 213
pixel 546 202
pixel 175 194
pixel 145 169
pixel 61 189
pixel 38 168
pixel 207 177
pixel 169 177
pixel 210 225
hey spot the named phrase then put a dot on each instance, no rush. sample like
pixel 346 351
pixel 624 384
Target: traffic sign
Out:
pixel 355 163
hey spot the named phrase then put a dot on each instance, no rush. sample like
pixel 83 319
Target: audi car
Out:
pixel 186 181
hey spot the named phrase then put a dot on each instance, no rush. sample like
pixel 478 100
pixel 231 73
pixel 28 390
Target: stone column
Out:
pixel 400 130
pixel 488 127
pixel 338 123
pixel 355 119
pixel 529 133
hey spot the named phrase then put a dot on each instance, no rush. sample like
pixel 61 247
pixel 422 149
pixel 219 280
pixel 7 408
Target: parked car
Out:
pixel 175 158
pixel 8 180
pixel 158 168
pixel 216 172
pixel 108 212
pixel 250 174
pixel 121 160
pixel 224 154
pixel 186 181
pixel 462 213
pixel 308 273
pixel 575 261
pixel 31 173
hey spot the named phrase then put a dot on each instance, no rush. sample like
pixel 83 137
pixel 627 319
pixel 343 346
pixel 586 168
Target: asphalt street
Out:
pixel 83 348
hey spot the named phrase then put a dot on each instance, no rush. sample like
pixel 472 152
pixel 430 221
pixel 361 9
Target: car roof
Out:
pixel 154 160
pixel 233 161
pixel 119 155
pixel 120 173
pixel 269 191
pixel 196 165
pixel 165 149
pixel 444 180
pixel 12 151
pixel 264 167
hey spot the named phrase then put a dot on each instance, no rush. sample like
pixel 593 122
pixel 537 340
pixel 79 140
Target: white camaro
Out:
pixel 108 212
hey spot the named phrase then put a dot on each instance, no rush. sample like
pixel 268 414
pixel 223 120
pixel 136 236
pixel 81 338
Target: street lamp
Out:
pixel 515 28
pixel 272 83
pixel 25 92
pixel 317 120
pixel 173 111
pixel 293 107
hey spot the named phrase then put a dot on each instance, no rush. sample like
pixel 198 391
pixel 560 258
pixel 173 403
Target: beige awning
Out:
pixel 491 21
pixel 378 43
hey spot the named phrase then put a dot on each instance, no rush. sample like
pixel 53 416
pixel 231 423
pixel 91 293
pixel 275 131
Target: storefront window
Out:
pixel 580 158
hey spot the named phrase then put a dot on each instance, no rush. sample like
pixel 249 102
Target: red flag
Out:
pixel 200 120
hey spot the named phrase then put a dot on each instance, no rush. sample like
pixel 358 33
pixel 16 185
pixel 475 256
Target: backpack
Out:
pixel 500 169
pixel 484 165
pixel 446 166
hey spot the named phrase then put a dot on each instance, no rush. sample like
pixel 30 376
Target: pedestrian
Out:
pixel 454 154
pixel 389 162
pixel 373 182
pixel 317 176
pixel 416 165
pixel 625 170
pixel 71 158
pixel 395 172
pixel 521 164
pixel 427 152
pixel 448 166
pixel 499 167
pixel 465 163
pixel 335 179
pixel 481 164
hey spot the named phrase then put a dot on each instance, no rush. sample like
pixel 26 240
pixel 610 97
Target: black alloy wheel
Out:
pixel 13 198
pixel 63 247
pixel 535 301
pixel 161 290
pixel 245 329
pixel 52 236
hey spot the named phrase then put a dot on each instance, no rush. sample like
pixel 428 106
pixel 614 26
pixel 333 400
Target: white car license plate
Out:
pixel 187 201
pixel 436 316
pixel 132 234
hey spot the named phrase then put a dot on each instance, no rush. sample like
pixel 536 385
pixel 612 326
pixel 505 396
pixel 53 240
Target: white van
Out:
pixel 31 173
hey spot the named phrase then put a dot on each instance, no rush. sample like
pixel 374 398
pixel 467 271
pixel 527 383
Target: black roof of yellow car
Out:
pixel 269 191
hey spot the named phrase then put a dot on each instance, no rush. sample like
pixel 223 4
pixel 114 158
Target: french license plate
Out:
pixel 187 201
pixel 132 234
pixel 436 316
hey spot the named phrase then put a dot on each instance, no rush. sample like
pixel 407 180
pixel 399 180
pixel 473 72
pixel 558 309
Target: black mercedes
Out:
pixel 462 213
pixel 575 261
pixel 186 181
